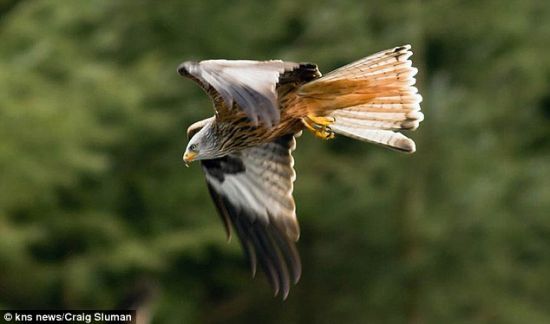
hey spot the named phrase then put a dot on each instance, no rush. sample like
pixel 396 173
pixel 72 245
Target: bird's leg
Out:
pixel 319 126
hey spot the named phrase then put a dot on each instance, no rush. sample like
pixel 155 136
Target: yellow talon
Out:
pixel 319 126
pixel 323 121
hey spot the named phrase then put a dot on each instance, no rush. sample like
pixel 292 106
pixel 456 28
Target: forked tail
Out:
pixel 370 100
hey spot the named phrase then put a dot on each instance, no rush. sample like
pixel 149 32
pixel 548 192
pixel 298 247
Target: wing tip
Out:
pixel 184 69
pixel 402 47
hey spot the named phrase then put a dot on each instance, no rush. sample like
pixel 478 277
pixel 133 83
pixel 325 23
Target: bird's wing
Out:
pixel 253 191
pixel 249 85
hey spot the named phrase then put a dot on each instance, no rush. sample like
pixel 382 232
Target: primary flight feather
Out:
pixel 260 108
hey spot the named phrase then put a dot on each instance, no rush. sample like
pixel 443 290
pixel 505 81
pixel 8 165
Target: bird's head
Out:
pixel 203 142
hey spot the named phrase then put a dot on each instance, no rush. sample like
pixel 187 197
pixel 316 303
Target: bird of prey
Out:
pixel 245 149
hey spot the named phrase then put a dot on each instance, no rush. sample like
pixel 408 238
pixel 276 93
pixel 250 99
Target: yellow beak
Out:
pixel 189 156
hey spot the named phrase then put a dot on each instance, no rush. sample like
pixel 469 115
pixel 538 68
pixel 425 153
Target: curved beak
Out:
pixel 189 156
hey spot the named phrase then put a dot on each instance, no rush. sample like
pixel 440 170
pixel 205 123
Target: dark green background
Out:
pixel 95 200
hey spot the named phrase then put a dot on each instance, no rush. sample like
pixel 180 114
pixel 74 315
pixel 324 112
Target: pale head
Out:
pixel 204 143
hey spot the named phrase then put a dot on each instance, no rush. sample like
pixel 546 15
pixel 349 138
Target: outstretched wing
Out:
pixel 249 85
pixel 253 191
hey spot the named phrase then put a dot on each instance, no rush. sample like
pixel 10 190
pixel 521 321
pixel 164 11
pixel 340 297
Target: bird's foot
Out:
pixel 319 126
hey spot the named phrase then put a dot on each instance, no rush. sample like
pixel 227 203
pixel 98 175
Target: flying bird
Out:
pixel 245 149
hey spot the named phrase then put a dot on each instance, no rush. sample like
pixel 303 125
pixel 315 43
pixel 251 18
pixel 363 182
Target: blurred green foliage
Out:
pixel 94 196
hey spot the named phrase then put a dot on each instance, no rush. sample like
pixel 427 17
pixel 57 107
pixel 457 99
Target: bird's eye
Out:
pixel 193 147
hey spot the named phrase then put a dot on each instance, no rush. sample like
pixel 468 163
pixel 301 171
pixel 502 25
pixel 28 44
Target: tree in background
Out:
pixel 94 198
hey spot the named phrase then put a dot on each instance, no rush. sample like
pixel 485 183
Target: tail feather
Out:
pixel 408 120
pixel 370 99
pixel 393 140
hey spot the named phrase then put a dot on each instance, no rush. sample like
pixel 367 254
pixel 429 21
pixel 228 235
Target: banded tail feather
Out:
pixel 370 99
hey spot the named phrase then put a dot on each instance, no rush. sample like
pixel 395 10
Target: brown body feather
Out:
pixel 247 133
